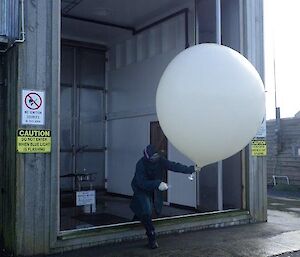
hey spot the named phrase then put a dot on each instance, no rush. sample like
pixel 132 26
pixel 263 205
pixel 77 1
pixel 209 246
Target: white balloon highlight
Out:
pixel 210 102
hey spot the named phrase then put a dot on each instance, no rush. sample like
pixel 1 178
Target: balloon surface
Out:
pixel 210 102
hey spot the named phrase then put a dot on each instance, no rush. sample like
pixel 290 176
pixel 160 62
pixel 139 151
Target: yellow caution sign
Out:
pixel 259 148
pixel 34 141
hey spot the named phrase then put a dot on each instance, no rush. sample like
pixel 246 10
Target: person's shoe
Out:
pixel 152 243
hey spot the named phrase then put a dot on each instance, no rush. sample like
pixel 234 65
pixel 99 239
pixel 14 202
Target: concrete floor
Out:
pixel 109 204
pixel 280 235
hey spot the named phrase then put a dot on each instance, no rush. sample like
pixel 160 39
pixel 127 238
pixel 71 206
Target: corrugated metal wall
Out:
pixel 8 164
pixel 9 19
pixel 254 52
pixel 3 18
pixel 36 175
pixel 283 156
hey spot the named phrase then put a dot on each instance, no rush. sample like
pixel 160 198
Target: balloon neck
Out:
pixel 198 167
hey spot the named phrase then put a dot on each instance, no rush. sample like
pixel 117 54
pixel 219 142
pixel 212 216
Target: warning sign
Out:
pixel 259 148
pixel 85 197
pixel 33 107
pixel 33 141
pixel 262 131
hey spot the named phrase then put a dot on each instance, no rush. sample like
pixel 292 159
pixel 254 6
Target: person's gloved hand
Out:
pixel 163 186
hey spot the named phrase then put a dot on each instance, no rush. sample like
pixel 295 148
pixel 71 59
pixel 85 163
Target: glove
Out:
pixel 163 186
pixel 197 168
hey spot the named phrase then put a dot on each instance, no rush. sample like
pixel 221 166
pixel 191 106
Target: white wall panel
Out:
pixel 183 191
pixel 142 46
pixel 134 86
pixel 169 36
pixel 130 51
pixel 131 93
pixel 126 140
pixel 155 42
pixel 120 55
pixel 131 98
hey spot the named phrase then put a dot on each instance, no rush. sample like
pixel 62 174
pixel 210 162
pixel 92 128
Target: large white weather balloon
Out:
pixel 210 102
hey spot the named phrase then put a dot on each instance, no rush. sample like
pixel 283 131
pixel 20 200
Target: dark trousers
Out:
pixel 146 220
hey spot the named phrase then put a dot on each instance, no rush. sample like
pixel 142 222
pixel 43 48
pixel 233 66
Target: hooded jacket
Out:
pixel 148 176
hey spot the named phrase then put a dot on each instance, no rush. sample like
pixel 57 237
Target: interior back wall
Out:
pixel 136 66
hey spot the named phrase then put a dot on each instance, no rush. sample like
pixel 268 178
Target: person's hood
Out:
pixel 149 151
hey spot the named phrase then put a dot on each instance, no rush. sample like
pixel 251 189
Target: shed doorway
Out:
pixel 112 57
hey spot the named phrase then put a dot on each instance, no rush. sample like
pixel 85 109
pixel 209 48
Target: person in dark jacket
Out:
pixel 146 182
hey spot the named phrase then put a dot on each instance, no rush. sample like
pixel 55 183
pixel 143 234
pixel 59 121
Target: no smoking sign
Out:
pixel 33 101
pixel 33 107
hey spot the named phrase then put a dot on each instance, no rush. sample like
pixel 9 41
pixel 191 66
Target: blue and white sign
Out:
pixel 262 131
pixel 85 197
pixel 33 107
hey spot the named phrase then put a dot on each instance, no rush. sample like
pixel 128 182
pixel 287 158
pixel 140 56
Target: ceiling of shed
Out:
pixel 131 13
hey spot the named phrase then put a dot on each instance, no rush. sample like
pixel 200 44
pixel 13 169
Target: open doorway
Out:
pixel 112 57
pixel 159 140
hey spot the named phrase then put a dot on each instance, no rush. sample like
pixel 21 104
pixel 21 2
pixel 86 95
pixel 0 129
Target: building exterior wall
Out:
pixel 283 157
pixel 254 52
pixel 9 19
pixel 36 183
pixel 33 196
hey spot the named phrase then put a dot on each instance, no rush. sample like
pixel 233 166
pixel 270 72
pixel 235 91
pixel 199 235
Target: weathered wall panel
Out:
pixel 38 66
pixel 3 18
pixel 254 51
pixel 9 18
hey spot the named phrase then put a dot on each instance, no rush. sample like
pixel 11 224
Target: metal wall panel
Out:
pixel 231 24
pixel 183 191
pixel 9 19
pixel 3 18
pixel 131 94
pixel 36 195
pixel 126 141
pixel 206 21
pixel 254 52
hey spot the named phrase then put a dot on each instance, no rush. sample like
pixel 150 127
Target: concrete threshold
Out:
pixel 74 239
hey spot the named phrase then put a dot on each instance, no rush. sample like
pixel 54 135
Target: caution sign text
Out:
pixel 33 141
pixel 259 148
